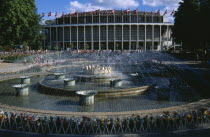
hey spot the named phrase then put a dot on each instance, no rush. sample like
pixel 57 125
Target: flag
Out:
pixel 91 12
pixel 84 13
pixel 75 13
pixel 165 12
pixel 49 14
pixel 136 11
pixel 172 13
pixel 43 14
pixel 121 12
pixel 127 11
pixel 62 13
pixel 105 12
pixel 112 11
pixel 56 14
pixel 97 11
pixel 151 12
pixel 158 12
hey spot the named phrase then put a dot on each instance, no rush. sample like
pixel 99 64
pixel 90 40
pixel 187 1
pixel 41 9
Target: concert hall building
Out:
pixel 109 30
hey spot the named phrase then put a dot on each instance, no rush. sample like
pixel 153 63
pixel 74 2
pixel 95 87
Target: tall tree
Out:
pixel 186 24
pixel 19 22
pixel 205 22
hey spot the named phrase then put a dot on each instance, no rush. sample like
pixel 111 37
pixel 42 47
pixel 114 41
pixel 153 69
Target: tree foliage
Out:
pixel 205 19
pixel 19 23
pixel 191 24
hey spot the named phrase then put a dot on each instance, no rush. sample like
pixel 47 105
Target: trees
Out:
pixel 186 23
pixel 191 24
pixel 205 22
pixel 19 23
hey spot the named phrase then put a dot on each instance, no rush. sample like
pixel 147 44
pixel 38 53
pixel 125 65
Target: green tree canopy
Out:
pixel 19 23
pixel 205 19
pixel 186 23
pixel 191 24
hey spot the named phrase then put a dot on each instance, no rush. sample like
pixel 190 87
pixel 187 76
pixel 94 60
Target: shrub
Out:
pixel 14 58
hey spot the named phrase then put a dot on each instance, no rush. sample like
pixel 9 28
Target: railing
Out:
pixel 112 125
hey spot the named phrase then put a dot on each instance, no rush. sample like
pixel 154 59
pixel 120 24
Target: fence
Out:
pixel 112 125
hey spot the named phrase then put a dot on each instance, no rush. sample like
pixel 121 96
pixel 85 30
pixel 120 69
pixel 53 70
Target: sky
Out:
pixel 70 6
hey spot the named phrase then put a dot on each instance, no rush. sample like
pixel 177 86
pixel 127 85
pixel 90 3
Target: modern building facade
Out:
pixel 109 30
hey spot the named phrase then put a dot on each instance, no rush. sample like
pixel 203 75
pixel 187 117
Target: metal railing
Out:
pixel 111 125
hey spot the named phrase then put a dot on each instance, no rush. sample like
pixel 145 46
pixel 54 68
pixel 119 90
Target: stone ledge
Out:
pixel 190 106
pixel 116 92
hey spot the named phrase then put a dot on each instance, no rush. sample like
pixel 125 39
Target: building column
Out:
pixel 145 18
pixel 145 38
pixel 69 18
pixel 137 16
pixel 84 39
pixel 85 18
pixel 167 35
pixel 122 37
pixel 57 37
pixel 70 34
pixel 173 42
pixel 107 18
pixel 44 38
pixel 114 38
pixel 114 18
pixel 160 39
pixel 107 38
pixel 99 18
pixel 63 37
pixel 153 37
pixel 77 18
pixel 77 39
pixel 92 48
pixel 129 37
pixel 99 44
pixel 137 42
pixel 50 39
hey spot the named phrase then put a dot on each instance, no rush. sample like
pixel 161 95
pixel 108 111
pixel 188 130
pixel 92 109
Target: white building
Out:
pixel 109 30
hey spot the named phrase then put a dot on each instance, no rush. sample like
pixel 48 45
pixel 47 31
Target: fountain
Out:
pixel 97 70
pixel 118 78
pixel 59 76
pixel 21 89
pixel 95 73
pixel 116 83
pixel 86 97
pixel 100 77
pixel 106 92
pixel 25 80
pixel 69 82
